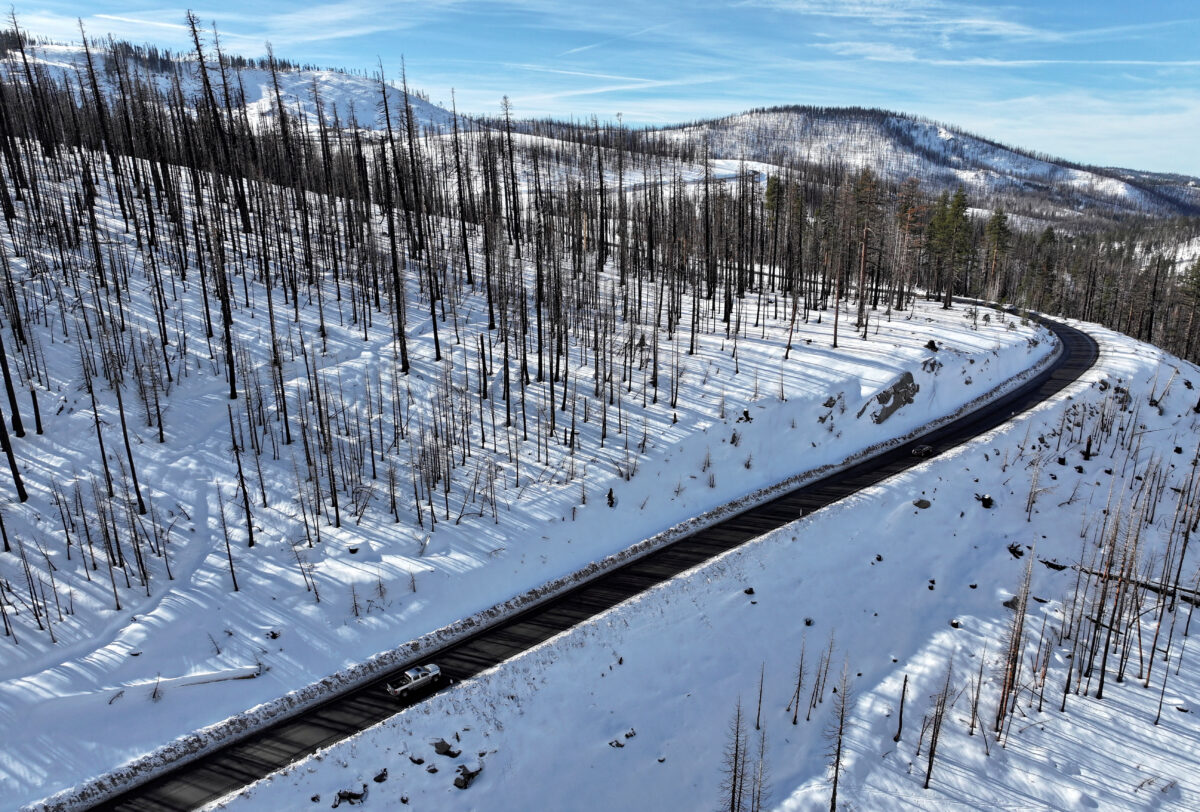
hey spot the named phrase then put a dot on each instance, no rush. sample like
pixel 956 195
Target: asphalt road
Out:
pixel 255 756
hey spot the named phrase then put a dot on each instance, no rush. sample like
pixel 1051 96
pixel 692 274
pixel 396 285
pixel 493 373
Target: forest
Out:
pixel 156 225
pixel 302 273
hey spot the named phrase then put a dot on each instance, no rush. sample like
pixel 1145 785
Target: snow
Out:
pixel 632 709
pixel 73 692
pixel 186 653
pixel 342 94
pixel 899 147
pixel 895 146
pixel 104 686
pixel 1186 253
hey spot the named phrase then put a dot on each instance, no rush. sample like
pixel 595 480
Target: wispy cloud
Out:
pixel 611 40
pixel 870 9
pixel 141 22
pixel 888 52
pixel 619 84
pixel 339 21
pixel 297 26
pixel 1151 130
pixel 583 73
pixel 948 18
pixel 1009 30
pixel 872 51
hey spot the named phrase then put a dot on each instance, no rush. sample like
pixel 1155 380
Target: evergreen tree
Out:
pixel 997 235
pixel 954 241
pixel 774 196
pixel 1042 270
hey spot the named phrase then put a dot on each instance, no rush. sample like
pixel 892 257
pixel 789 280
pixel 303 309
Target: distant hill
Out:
pixel 898 146
pixel 895 145
pixel 342 95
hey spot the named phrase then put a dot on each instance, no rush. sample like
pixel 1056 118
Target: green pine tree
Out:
pixel 998 236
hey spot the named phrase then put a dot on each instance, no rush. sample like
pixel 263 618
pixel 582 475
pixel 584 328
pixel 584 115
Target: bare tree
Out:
pixel 733 765
pixel 836 730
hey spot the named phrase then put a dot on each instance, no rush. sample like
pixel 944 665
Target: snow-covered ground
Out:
pixel 899 147
pixel 634 708
pixel 896 146
pixel 126 664
pixel 126 659
pixel 342 96
pixel 1187 253
pixel 117 684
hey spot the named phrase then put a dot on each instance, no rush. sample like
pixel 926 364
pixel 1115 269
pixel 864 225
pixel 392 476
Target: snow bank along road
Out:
pixel 262 752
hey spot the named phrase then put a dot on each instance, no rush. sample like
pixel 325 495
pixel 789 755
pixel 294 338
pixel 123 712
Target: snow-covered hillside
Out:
pixel 899 147
pixel 187 652
pixel 343 97
pixel 906 590
pixel 895 145
pixel 128 630
pixel 286 430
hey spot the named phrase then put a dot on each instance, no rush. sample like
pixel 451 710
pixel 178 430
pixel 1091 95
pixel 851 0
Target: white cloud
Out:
pixel 1149 130
pixel 872 51
pixel 952 19
pixel 869 9
pixel 889 52
pixel 141 23
pixel 611 40
pixel 541 98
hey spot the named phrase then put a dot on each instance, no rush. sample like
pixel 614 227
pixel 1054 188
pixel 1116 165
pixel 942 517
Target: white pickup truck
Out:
pixel 414 679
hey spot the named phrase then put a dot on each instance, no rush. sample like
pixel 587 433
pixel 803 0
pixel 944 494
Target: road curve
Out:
pixel 239 763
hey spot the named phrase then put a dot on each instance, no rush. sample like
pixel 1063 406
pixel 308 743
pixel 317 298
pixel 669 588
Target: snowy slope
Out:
pixel 118 684
pixel 634 709
pixel 342 95
pixel 895 145
pixel 131 663
pixel 900 147
pixel 100 685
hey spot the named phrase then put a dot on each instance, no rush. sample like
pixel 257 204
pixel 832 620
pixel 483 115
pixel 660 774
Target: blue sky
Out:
pixel 1105 82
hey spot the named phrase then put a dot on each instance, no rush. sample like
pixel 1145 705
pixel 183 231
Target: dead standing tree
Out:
pixel 835 733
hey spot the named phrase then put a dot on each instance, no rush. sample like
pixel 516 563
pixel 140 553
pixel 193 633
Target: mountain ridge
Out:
pixel 900 145
pixel 895 145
